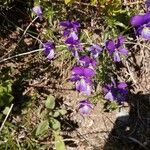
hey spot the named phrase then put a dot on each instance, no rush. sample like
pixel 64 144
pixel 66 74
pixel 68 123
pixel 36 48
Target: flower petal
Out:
pixel 120 41
pixel 49 49
pixel 109 96
pixel 81 85
pixel 86 61
pixel 75 24
pixel 72 41
pixel 88 72
pixel 37 10
pixel 123 51
pixel 66 32
pixel 122 85
pixel 51 54
pixel 65 23
pixel 85 107
pixel 146 17
pixel 74 35
pixel 78 71
pixel 137 20
pixel 145 33
pixel 75 78
pixel 110 45
pixel 117 57
pixel 95 50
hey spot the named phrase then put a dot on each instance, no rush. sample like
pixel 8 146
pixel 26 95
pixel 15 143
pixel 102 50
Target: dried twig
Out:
pixel 6 117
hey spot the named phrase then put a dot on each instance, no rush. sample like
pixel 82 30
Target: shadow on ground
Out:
pixel 132 132
pixel 13 13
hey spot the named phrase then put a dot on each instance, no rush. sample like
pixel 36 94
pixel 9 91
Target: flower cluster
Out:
pixel 70 32
pixel 142 25
pixel 84 70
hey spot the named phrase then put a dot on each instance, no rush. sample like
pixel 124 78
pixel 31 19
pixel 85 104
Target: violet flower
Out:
pixel 116 92
pixel 37 10
pixel 82 71
pixel 72 40
pixel 49 50
pixel 82 78
pixel 116 48
pixel 95 50
pixel 86 61
pixel 69 26
pixel 142 25
pixel 137 20
pixel 84 86
pixel 85 107
pixel 74 44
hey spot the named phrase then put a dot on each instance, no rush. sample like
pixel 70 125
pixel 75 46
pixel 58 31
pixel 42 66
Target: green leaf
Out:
pixel 43 114
pixel 42 128
pixel 50 102
pixel 67 1
pixel 59 143
pixel 59 112
pixel 56 114
pixel 120 24
pixel 55 124
pixel 6 110
pixel 62 111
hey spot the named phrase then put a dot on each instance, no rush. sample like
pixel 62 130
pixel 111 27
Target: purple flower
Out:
pixel 116 48
pixel 84 86
pixel 95 50
pixel 49 49
pixel 37 10
pixel 144 31
pixel 116 92
pixel 70 25
pixel 84 72
pixel 85 107
pixel 72 40
pixel 74 44
pixel 137 20
pixel 86 61
pixel 82 78
pixel 142 24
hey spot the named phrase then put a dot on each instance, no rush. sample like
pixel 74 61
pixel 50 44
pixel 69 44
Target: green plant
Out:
pixel 5 93
pixel 49 121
